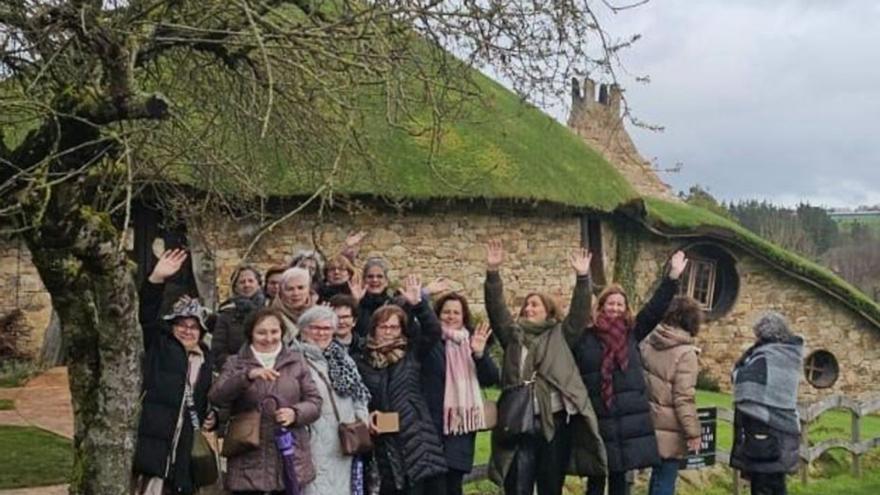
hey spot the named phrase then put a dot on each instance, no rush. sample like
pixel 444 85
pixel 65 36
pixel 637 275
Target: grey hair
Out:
pixel 376 261
pixel 772 327
pixel 303 254
pixel 295 273
pixel 318 313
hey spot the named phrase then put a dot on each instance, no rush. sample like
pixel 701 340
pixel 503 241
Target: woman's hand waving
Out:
pixel 169 264
pixel 677 264
pixel 580 261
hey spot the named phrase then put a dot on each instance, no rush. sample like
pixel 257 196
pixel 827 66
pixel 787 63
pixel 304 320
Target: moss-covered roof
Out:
pixel 682 220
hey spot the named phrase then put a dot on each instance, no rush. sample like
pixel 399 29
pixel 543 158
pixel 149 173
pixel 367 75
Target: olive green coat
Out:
pixel 548 354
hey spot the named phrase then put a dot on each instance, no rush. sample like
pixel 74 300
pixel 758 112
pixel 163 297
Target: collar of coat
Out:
pixel 285 358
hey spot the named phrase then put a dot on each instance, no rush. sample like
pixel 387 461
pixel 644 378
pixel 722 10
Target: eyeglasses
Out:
pixel 375 276
pixel 322 328
pixel 336 269
pixel 345 317
pixel 386 327
pixel 192 327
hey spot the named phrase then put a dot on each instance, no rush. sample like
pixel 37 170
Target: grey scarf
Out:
pixel 765 383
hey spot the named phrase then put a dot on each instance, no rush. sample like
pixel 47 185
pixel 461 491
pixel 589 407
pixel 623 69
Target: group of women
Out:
pixel 328 353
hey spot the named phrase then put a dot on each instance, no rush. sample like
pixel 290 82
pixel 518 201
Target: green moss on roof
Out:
pixel 679 219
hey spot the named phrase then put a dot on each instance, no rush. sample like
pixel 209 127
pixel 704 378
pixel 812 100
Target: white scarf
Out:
pixel 267 359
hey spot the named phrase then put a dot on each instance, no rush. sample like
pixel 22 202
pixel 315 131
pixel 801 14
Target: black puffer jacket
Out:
pixel 228 336
pixel 165 367
pixel 367 306
pixel 415 452
pixel 626 428
pixel 459 449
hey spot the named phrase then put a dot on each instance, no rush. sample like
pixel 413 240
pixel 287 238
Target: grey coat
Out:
pixel 332 467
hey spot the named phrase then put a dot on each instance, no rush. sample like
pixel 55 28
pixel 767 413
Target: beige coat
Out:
pixel 671 368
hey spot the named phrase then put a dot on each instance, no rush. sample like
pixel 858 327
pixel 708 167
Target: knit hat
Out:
pixel 189 307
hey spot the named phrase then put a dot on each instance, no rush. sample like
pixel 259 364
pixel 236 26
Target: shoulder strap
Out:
pixel 329 389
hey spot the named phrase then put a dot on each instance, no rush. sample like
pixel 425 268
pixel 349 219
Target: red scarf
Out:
pixel 614 335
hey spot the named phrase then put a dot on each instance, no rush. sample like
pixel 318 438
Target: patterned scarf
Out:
pixel 382 355
pixel 344 374
pixel 614 335
pixel 462 400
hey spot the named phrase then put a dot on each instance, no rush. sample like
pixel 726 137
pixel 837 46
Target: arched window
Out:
pixel 821 369
pixel 710 278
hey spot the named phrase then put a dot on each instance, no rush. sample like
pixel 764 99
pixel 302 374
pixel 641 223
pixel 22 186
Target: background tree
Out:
pixel 102 101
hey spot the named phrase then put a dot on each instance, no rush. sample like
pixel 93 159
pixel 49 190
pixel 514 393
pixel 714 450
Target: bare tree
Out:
pixel 102 100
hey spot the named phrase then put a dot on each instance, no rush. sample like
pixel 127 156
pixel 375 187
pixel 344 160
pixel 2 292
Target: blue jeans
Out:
pixel 663 477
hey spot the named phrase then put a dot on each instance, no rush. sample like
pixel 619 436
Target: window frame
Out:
pixel 689 288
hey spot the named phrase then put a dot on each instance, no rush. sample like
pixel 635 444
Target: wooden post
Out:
pixel 736 481
pixel 856 438
pixel 805 444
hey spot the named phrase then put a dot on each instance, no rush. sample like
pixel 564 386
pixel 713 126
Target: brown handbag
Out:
pixel 242 434
pixel 354 437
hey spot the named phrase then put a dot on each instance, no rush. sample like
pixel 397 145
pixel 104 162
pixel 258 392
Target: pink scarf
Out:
pixel 462 399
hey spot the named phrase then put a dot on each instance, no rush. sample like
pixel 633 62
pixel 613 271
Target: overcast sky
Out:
pixel 770 100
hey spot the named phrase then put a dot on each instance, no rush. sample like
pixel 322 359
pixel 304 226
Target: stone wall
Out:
pixel 23 290
pixel 822 320
pixel 432 244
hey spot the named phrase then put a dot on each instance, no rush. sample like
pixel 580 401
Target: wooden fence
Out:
pixel 809 414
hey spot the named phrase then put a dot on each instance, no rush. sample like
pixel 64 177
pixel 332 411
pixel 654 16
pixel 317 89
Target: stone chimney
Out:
pixel 599 122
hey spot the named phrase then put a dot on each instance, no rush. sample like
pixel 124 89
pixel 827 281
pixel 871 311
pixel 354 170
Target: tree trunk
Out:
pixel 93 289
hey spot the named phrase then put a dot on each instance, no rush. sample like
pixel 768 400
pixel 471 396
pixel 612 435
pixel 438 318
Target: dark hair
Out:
pixel 346 301
pixel 246 268
pixel 384 314
pixel 553 311
pixel 274 270
pixel 259 315
pixel 465 310
pixel 684 312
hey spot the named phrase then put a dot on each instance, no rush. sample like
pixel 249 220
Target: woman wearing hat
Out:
pixel 176 379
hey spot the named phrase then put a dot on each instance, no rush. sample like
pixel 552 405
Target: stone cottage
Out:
pixel 543 189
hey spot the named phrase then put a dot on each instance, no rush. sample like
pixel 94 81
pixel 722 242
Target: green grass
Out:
pixel 6 405
pixel 33 457
pixel 679 219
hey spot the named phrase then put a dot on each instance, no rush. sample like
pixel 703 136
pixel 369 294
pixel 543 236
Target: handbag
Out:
pixel 203 459
pixel 516 408
pixel 354 437
pixel 242 434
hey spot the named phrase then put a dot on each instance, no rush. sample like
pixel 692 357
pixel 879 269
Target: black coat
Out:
pixel 228 335
pixel 366 307
pixel 626 427
pixel 459 449
pixel 416 451
pixel 165 367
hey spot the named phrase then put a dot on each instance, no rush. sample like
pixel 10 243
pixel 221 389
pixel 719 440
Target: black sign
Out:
pixel 706 457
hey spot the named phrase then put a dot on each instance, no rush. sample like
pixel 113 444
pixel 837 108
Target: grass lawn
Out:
pixel 33 457
pixel 6 405
pixel 829 476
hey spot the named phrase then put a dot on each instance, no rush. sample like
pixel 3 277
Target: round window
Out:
pixel 821 369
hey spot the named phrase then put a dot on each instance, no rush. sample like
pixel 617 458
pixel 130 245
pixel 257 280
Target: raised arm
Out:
pixel 652 313
pixel 424 329
pixel 499 316
pixel 579 311
pixel 488 374
pixel 151 293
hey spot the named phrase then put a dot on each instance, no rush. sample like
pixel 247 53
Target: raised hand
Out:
pixel 580 261
pixel 494 254
pixel 355 239
pixel 169 264
pixel 677 264
pixel 356 286
pixel 438 285
pixel 479 338
pixel 412 289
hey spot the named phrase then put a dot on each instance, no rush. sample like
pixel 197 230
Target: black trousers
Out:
pixel 540 463
pixel 455 482
pixel 617 484
pixel 435 485
pixel 768 483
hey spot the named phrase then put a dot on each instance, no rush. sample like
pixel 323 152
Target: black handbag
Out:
pixel 516 409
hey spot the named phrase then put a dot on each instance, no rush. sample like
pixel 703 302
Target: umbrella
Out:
pixel 357 475
pixel 286 443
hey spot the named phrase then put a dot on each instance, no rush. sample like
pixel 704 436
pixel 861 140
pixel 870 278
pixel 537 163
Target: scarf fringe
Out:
pixel 459 420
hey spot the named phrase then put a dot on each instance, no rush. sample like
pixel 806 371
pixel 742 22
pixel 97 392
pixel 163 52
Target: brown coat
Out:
pixel 670 361
pixel 261 470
